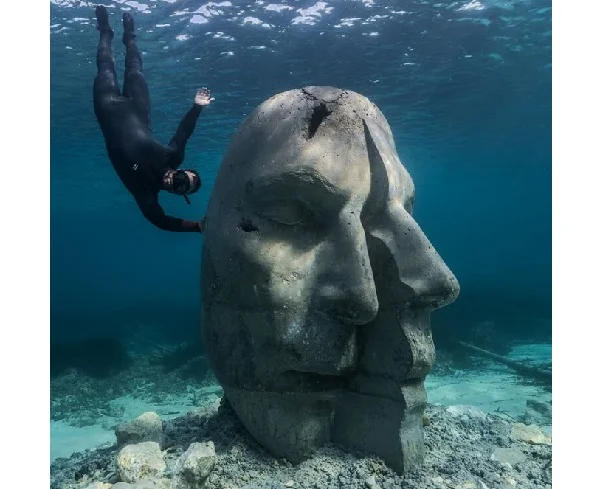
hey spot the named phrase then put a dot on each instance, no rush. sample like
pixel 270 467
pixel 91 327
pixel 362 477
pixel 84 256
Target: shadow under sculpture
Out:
pixel 317 283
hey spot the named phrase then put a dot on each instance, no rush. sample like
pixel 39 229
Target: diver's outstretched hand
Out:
pixel 203 97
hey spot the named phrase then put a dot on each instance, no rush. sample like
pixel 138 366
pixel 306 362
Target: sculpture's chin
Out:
pixel 287 424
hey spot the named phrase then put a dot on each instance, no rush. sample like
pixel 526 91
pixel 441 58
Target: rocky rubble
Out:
pixel 210 449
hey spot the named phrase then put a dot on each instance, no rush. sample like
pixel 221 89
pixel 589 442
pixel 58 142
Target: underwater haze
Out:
pixel 465 86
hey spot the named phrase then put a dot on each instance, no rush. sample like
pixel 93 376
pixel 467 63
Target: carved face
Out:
pixel 315 275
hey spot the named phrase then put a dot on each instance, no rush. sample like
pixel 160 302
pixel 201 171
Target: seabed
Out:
pixel 471 428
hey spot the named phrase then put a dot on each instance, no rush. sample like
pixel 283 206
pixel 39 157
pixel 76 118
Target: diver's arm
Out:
pixel 151 209
pixel 186 127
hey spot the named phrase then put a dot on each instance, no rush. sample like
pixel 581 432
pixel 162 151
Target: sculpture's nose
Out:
pixel 420 267
pixel 427 280
pixel 345 289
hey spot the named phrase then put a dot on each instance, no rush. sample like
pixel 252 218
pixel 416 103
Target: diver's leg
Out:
pixel 134 85
pixel 106 86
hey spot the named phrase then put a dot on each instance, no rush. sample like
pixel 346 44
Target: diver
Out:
pixel 143 164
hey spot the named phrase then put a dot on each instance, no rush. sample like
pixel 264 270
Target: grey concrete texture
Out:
pixel 317 283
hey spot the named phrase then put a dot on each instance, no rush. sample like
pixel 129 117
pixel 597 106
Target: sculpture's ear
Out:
pixel 380 184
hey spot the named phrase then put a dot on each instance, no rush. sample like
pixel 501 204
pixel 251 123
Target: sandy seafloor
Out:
pixel 82 419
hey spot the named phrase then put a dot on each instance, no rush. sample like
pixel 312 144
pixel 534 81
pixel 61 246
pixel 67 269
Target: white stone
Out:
pixel 510 456
pixel 531 434
pixel 146 427
pixel 460 410
pixel 194 466
pixel 145 484
pixel 372 483
pixel 143 460
pixel 466 485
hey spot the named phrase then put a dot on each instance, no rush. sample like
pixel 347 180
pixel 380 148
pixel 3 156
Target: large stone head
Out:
pixel 317 282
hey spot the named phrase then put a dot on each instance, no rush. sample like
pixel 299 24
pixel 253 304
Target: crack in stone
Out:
pixel 319 114
pixel 316 99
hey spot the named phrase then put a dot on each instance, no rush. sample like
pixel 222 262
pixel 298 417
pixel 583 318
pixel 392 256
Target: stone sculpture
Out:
pixel 317 283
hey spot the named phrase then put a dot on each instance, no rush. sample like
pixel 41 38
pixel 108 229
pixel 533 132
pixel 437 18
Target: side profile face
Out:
pixel 316 277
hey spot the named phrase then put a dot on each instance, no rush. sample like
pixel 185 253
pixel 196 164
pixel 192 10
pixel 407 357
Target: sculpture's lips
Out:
pixel 296 381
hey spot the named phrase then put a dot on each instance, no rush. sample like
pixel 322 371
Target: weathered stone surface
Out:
pixel 146 427
pixel 194 466
pixel 530 434
pixel 369 417
pixel 510 456
pixel 371 483
pixel 143 460
pixel 145 484
pixel 314 270
pixel 466 412
pixel 282 433
pixel 100 485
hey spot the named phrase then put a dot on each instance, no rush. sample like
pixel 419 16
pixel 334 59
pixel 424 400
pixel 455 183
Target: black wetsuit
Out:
pixel 137 157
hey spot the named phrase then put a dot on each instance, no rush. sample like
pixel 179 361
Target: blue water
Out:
pixel 465 85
